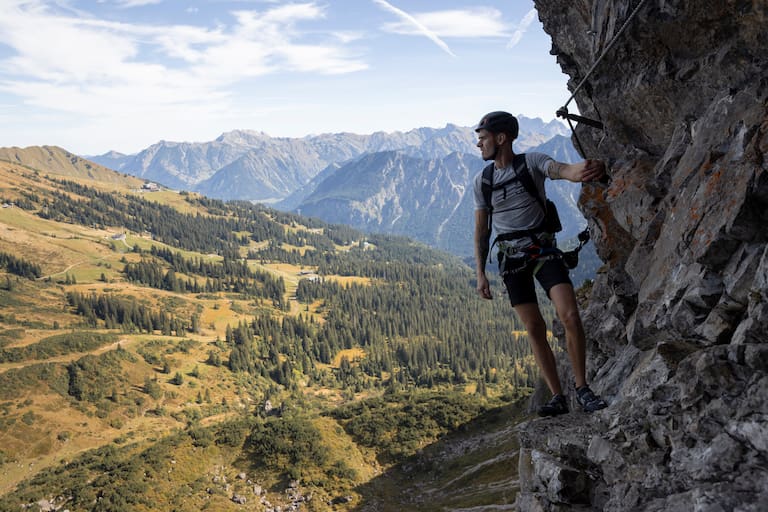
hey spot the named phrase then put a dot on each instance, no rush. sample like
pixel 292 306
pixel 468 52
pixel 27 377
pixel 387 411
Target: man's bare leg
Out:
pixel 530 315
pixel 564 299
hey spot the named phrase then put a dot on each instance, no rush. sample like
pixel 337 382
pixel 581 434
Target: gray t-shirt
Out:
pixel 514 209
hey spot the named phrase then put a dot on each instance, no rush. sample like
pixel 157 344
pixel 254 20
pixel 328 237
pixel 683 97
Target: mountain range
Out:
pixel 251 165
pixel 415 183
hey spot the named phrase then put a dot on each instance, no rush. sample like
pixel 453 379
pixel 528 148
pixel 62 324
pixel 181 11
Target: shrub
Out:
pixel 398 424
pixel 28 417
pixel 92 377
pixel 287 443
pixel 232 434
pixel 152 388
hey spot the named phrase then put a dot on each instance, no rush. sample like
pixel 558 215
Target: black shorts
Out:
pixel 520 285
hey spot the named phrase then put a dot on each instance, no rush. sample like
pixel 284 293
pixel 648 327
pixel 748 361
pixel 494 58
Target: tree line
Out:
pixel 19 266
pixel 230 275
pixel 127 314
pixel 418 326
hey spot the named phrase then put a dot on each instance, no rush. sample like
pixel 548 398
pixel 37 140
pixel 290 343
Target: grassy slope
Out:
pixel 55 160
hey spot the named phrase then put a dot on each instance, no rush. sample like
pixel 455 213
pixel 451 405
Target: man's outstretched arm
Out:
pixel 588 170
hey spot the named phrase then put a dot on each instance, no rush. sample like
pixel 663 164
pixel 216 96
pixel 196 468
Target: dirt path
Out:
pixel 67 358
pixel 49 276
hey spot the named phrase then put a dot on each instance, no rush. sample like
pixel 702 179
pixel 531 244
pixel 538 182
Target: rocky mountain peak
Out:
pixel 678 318
pixel 242 137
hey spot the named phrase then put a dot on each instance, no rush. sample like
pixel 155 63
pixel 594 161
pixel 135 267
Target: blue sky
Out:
pixel 123 74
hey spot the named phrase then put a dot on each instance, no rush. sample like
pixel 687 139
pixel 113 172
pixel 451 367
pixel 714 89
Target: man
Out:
pixel 526 250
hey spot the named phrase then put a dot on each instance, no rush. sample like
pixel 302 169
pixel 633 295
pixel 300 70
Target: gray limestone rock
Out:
pixel 678 318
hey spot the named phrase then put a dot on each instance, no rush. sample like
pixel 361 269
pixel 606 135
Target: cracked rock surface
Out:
pixel 677 321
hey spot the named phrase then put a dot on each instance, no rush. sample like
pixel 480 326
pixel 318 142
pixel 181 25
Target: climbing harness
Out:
pixel 563 111
pixel 513 260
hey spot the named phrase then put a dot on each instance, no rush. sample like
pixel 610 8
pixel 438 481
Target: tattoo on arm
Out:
pixel 556 170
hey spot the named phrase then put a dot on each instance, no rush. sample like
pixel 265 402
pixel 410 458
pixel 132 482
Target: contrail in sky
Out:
pixel 521 28
pixel 420 26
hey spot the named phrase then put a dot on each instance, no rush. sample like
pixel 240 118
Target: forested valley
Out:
pixel 416 317
pixel 248 329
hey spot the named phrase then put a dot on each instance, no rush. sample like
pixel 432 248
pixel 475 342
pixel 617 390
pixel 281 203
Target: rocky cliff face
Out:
pixel 678 319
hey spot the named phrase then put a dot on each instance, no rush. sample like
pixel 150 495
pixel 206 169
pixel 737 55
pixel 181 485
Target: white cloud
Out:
pixel 521 28
pixel 95 67
pixel 136 3
pixel 347 36
pixel 73 78
pixel 420 27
